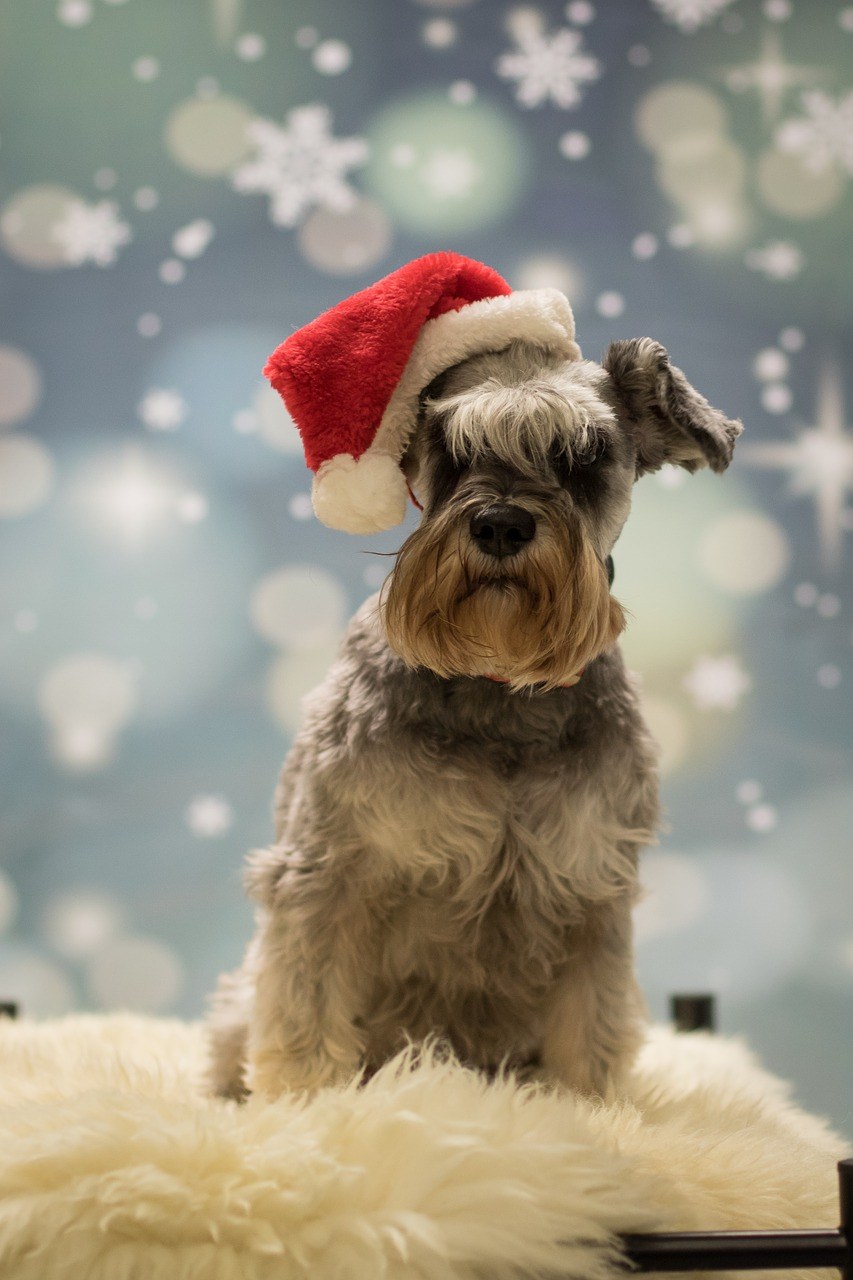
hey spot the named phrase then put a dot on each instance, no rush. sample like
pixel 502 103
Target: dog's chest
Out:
pixel 485 817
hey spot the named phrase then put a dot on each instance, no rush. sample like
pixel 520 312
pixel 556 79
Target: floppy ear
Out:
pixel 668 419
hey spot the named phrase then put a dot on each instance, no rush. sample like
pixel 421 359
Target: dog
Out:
pixel 458 824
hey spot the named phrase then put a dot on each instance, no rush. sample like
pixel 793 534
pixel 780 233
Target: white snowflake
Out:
pixel 450 174
pixel 824 135
pixel 546 66
pixel 717 683
pixel 690 15
pixel 300 164
pixel 209 816
pixel 162 410
pixel 779 260
pixel 91 233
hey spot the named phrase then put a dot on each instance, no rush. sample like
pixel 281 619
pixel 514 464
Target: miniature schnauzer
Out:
pixel 459 821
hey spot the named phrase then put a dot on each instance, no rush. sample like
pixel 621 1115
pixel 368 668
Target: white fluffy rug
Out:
pixel 114 1166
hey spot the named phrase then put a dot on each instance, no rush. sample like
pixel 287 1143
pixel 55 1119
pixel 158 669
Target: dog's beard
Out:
pixel 536 618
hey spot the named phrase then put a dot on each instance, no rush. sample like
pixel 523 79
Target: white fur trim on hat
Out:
pixel 363 495
pixel 369 494
pixel 540 316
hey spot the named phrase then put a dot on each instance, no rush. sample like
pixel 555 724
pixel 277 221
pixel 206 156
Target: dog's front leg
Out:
pixel 303 1032
pixel 595 1013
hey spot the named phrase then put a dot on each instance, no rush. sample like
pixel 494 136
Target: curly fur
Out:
pixel 116 1165
pixel 456 857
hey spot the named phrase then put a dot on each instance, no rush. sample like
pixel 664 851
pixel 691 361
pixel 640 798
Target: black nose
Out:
pixel 502 529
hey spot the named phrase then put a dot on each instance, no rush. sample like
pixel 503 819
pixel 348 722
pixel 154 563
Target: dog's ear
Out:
pixel 668 419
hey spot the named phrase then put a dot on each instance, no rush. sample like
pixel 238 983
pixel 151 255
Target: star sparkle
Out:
pixel 690 15
pixel 819 463
pixel 770 76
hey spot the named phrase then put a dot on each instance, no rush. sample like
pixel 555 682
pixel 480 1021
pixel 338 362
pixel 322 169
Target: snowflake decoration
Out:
pixel 91 233
pixel 162 410
pixel 690 15
pixel 824 135
pixel 546 66
pixel 209 816
pixel 300 164
pixel 717 683
pixel 779 260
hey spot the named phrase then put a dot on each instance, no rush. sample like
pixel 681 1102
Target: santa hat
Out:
pixel 351 379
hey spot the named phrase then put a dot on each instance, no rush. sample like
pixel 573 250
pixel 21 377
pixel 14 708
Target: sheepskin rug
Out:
pixel 114 1165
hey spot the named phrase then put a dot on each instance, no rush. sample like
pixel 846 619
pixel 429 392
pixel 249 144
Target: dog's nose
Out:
pixel 502 529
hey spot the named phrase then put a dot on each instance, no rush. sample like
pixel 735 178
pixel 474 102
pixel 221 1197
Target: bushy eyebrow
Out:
pixel 518 425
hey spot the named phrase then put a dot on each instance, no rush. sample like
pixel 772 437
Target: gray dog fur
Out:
pixel 455 856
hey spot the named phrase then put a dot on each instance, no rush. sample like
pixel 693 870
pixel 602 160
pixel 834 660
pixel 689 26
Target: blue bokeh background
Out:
pixel 681 168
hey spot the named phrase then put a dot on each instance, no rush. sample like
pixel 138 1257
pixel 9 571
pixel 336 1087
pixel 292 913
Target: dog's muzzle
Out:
pixel 502 529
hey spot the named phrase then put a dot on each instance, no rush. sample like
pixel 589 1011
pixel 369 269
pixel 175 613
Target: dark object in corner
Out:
pixel 693 1012
pixel 750 1250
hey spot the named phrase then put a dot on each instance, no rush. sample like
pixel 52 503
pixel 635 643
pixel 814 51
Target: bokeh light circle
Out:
pixel 439 166
pixel 788 186
pixel 672 613
pixel 208 136
pixel 79 922
pixel 751 933
pixel 331 57
pixel 27 223
pixel 771 364
pixel 550 271
pixel 575 145
pixel 218 370
pixel 694 171
pixel 273 424
pixel 74 13
pixel 678 111
pixel 27 475
pixel 300 606
pixel 37 984
pixel 8 902
pixel 139 974
pixel 292 676
pixel 776 397
pixel 86 698
pixel 676 893
pixel 439 33
pixel 668 726
pixel 347 242
pixel 200 552
pixel 20 385
pixel 744 553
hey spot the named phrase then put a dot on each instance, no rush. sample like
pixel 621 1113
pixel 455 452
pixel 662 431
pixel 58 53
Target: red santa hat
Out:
pixel 351 379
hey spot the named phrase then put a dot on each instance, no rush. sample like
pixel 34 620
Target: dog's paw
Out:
pixel 274 1072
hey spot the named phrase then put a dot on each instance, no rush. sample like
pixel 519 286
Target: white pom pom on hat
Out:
pixel 352 378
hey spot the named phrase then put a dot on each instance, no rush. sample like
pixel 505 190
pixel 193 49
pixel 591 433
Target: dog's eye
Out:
pixel 591 453
pixel 581 458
